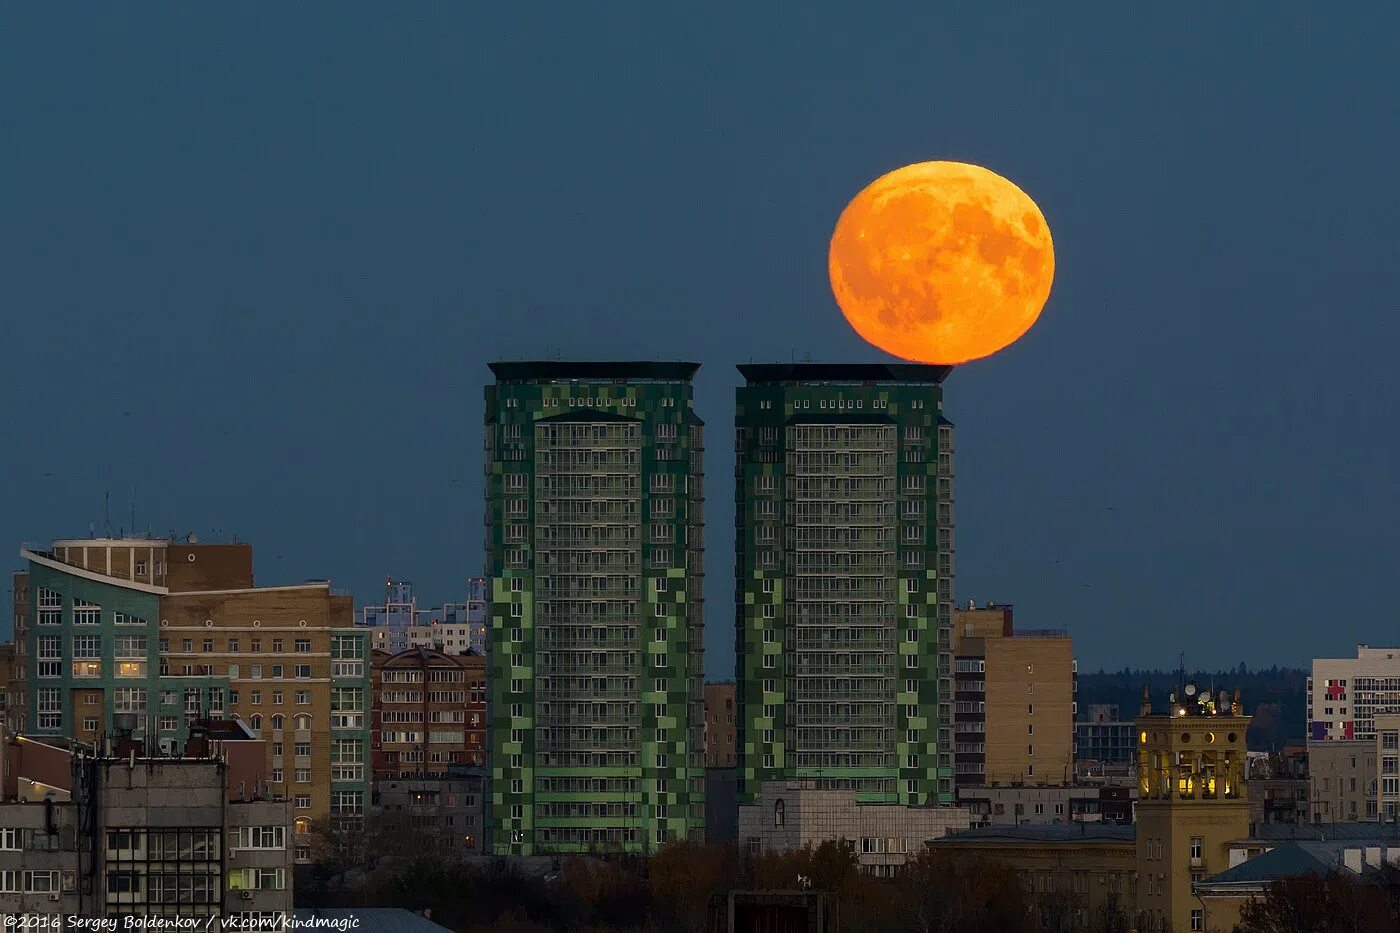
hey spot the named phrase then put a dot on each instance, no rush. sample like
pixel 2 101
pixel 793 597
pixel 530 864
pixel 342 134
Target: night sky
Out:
pixel 254 260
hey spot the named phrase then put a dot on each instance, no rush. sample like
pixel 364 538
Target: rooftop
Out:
pixel 850 373
pixel 1296 858
pixel 1045 832
pixel 592 370
pixel 1372 832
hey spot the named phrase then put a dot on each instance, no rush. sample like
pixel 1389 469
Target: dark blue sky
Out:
pixel 286 239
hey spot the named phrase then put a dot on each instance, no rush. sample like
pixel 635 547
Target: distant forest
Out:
pixel 1277 697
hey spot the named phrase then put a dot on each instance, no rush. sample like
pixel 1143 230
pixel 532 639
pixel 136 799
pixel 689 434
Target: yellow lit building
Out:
pixel 1191 803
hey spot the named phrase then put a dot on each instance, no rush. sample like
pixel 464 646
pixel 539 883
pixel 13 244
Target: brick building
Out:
pixel 428 712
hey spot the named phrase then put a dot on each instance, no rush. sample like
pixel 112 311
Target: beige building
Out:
pixel 1076 876
pixel 1013 702
pixel 1342 780
pixel 159 633
pixel 1013 805
pixel 1346 694
pixel 1384 780
pixel 1192 803
pixel 791 814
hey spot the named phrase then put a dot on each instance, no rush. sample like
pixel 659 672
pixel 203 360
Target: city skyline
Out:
pixel 279 260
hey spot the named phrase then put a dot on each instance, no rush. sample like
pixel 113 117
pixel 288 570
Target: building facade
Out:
pixel 1346 694
pixel 1102 736
pixel 1075 876
pixel 1343 780
pixel 164 634
pixel 1021 804
pixel 399 623
pixel 16 683
pixel 844 569
pixel 790 815
pixel 444 812
pixel 1014 708
pixel 1192 803
pixel 721 720
pixel 428 713
pixel 594 542
pixel 96 836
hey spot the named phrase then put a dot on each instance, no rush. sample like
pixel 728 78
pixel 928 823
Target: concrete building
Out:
pixel 157 837
pixel 1074 874
pixel 1016 805
pixel 399 623
pixel 1103 737
pixel 445 813
pixel 844 566
pixel 1346 694
pixel 1013 706
pixel 11 689
pixel 16 683
pixel 790 815
pixel 1278 787
pixel 428 713
pixel 721 715
pixel 1192 802
pixel 1342 780
pixel 721 805
pixel 595 545
pixel 169 633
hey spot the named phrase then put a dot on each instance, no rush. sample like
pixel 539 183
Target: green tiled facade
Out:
pixel 844 568
pixel 594 543
pixel 89 635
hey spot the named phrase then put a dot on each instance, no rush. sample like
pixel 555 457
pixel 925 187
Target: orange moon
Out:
pixel 941 262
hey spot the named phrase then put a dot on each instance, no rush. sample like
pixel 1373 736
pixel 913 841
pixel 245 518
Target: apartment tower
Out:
pixel 844 572
pixel 594 543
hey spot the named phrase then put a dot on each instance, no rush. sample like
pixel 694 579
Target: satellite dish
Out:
pixel 1190 690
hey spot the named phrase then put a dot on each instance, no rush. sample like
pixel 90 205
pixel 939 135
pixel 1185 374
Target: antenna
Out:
pixel 107 513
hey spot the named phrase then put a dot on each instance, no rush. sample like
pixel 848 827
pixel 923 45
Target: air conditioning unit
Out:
pixel 247 895
pixel 53 896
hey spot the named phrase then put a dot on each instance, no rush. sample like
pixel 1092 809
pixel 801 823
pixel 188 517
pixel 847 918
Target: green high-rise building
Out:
pixel 844 565
pixel 594 544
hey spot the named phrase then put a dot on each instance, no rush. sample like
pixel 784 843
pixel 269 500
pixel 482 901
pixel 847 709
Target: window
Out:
pixel 50 607
pixel 302 671
pixel 302 749
pixel 1198 919
pixel 207 646
pixel 277 646
pixel 1195 847
pixel 129 652
pixel 256 879
pixel 303 775
pixel 260 837
pixel 347 803
pixel 41 882
pixel 11 839
pixel 86 613
pixel 303 697
pixel 302 802
pixel 129 700
pixel 50 655
pixel 89 723
pixel 303 646
pixel 278 721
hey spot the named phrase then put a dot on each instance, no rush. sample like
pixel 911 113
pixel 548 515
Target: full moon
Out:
pixel 941 262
